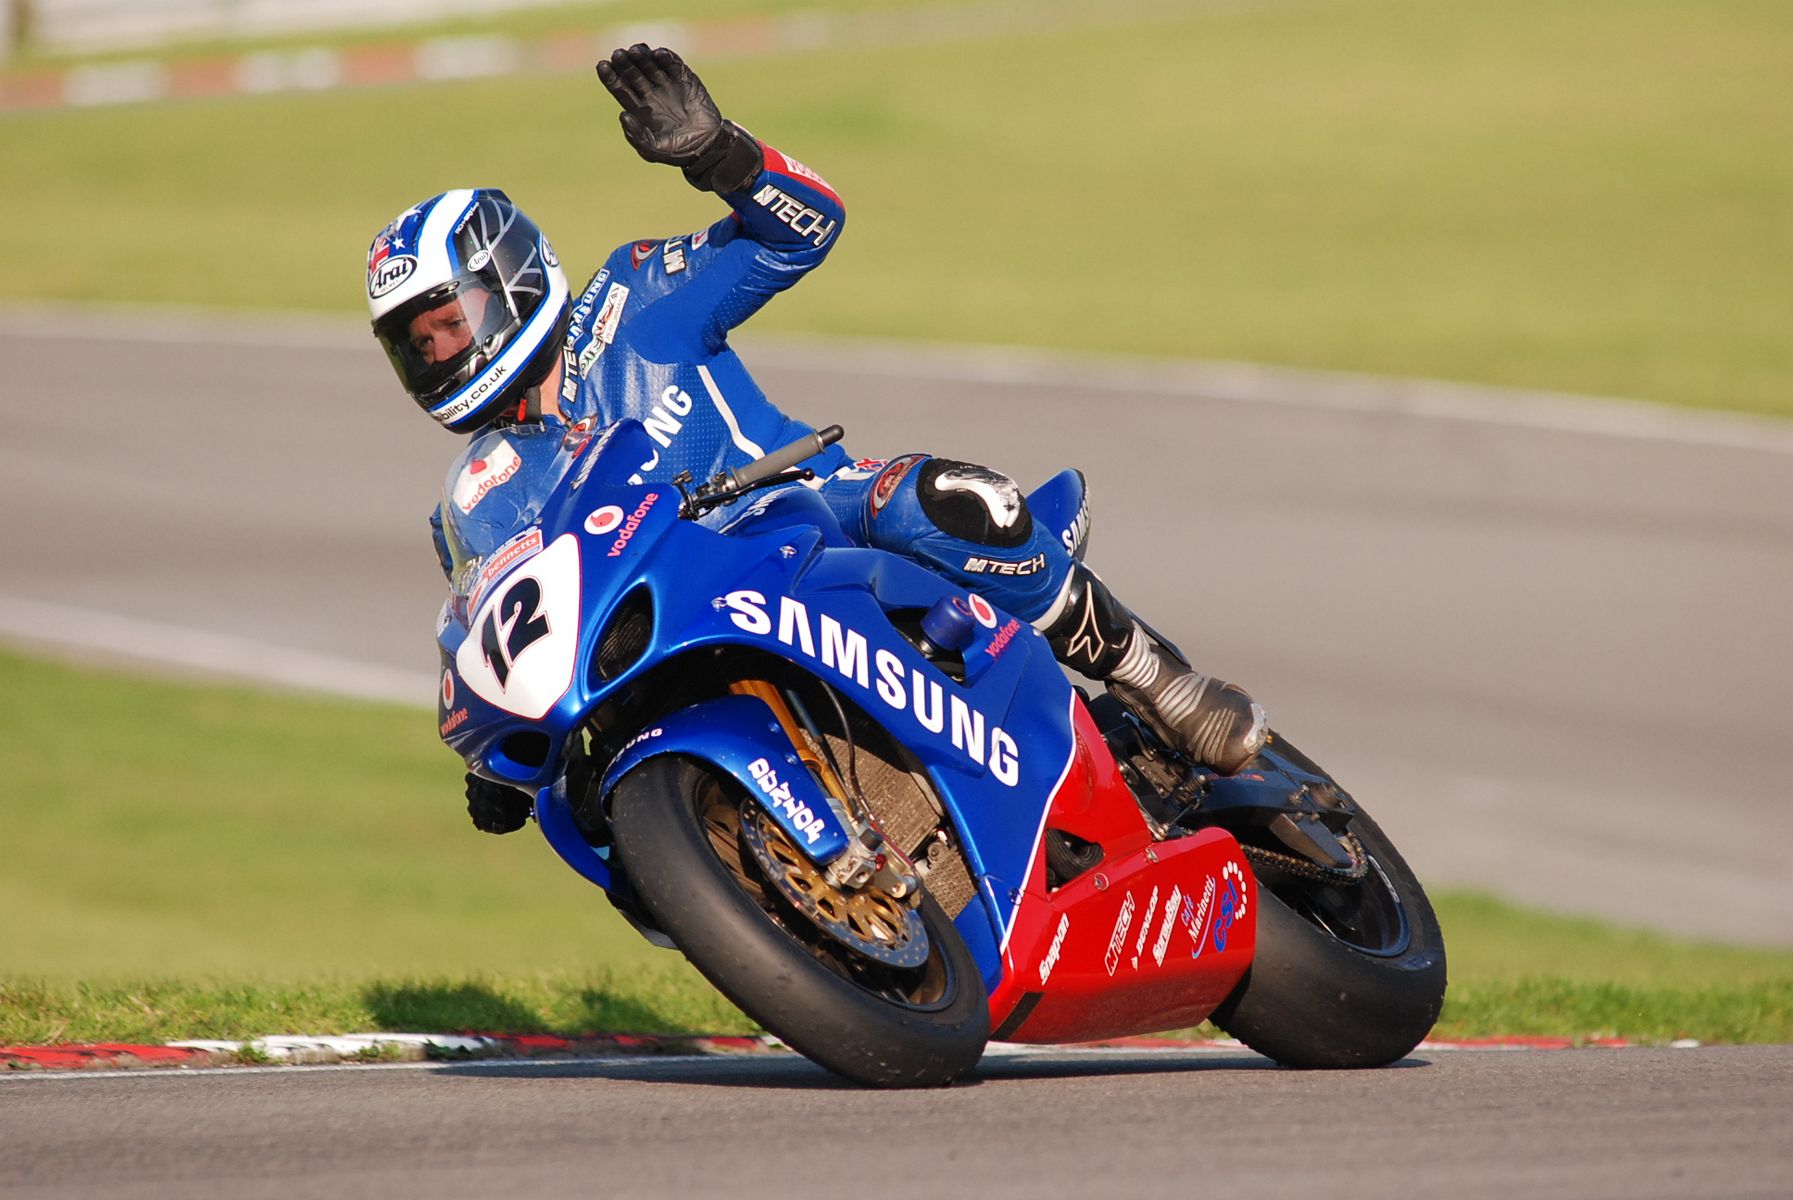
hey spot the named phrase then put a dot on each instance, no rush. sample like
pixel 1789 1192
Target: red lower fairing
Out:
pixel 1152 938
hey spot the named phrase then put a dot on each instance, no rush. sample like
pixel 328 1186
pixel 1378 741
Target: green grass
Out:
pixel 189 860
pixel 1586 197
pixel 1493 943
pixel 154 827
pixel 653 1000
pixel 1719 1012
pixel 1515 971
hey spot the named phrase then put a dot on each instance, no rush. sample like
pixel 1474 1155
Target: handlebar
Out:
pixel 770 469
pixel 785 457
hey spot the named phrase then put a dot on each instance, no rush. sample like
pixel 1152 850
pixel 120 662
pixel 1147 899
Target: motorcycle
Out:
pixel 869 806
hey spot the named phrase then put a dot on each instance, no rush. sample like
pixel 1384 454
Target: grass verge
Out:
pixel 652 1000
pixel 670 1002
pixel 188 860
pixel 1585 197
pixel 1519 971
pixel 1555 1007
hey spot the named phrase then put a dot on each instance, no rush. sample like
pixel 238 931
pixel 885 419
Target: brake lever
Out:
pixel 703 499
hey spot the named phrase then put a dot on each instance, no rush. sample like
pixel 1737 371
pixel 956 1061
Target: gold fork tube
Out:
pixel 774 699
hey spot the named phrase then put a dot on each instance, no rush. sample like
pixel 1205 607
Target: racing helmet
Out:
pixel 469 302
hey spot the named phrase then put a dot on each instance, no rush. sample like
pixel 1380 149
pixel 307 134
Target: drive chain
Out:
pixel 1302 868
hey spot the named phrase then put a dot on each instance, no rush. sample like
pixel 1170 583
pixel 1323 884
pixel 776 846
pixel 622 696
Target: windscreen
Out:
pixel 498 487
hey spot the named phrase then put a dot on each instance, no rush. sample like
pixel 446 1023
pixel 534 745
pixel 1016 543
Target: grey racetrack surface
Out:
pixel 1631 1124
pixel 1546 645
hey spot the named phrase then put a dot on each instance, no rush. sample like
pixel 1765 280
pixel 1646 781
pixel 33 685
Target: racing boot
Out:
pixel 1212 721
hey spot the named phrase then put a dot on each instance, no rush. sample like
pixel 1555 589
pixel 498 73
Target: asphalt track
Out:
pixel 1546 641
pixel 1628 1124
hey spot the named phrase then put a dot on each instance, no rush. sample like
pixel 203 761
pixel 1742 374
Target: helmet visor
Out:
pixel 444 337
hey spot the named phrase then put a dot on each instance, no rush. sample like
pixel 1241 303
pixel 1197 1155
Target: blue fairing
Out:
pixel 996 746
pixel 738 734
pixel 742 736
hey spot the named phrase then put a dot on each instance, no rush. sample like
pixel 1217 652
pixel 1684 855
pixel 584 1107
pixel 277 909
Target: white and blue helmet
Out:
pixel 470 304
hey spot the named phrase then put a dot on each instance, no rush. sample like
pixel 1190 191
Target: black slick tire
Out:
pixel 757 956
pixel 1314 1000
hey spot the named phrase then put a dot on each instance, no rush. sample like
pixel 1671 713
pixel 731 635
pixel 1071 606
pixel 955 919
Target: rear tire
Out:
pixel 1341 980
pixel 874 1024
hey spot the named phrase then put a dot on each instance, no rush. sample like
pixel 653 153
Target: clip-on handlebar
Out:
pixel 769 471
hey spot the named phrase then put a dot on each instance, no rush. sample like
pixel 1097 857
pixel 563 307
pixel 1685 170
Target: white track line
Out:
pixel 216 653
pixel 478 1064
pixel 1252 383
pixel 997 1052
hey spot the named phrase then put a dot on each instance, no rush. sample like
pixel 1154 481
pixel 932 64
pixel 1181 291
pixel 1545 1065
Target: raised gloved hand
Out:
pixel 496 808
pixel 668 117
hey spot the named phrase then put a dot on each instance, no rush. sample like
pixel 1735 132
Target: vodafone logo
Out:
pixel 633 523
pixel 980 608
pixel 483 474
pixel 448 689
pixel 603 520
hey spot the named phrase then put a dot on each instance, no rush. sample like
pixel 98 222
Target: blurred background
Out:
pixel 1589 198
pixel 1428 359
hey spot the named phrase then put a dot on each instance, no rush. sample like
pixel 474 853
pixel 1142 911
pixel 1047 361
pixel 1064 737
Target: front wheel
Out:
pixel 678 835
pixel 1345 974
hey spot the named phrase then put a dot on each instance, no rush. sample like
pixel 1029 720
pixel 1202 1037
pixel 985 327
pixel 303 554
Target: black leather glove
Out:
pixel 668 117
pixel 496 808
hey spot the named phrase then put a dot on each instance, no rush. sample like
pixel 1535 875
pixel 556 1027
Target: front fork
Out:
pixel 869 859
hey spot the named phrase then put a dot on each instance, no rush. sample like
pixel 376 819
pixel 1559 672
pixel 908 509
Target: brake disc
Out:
pixel 867 920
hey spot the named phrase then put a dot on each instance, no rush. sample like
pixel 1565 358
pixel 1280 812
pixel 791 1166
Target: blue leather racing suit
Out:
pixel 648 340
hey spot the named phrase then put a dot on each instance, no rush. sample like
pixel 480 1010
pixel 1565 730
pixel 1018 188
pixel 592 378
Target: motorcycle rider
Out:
pixel 473 309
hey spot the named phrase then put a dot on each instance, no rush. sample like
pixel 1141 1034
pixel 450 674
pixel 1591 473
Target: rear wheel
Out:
pixel 679 835
pixel 1346 974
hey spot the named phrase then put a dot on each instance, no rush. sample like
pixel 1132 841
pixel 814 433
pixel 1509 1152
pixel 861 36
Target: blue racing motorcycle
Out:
pixel 869 806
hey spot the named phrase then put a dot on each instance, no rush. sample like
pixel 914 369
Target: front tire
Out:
pixel 1344 975
pixel 676 826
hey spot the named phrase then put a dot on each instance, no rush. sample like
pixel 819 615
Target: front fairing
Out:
pixel 785 593
pixel 530 515
pixel 519 646
pixel 498 486
pixel 1002 748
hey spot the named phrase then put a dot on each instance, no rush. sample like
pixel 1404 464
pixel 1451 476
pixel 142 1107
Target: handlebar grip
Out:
pixel 786 457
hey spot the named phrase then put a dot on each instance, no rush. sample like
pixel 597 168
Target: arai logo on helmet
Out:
pixel 480 258
pixel 388 273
